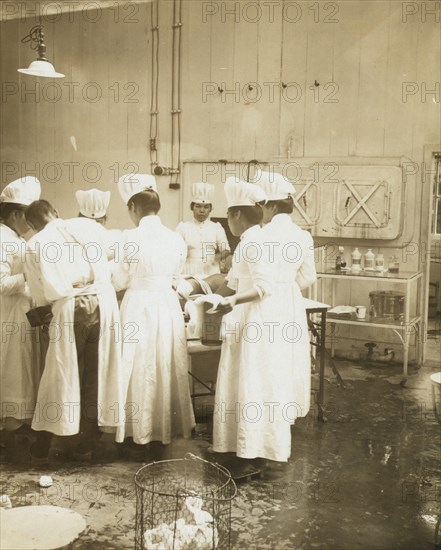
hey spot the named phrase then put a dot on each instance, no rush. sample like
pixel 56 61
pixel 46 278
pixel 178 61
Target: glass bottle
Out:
pixel 379 262
pixel 393 265
pixel 340 259
pixel 369 260
pixel 356 260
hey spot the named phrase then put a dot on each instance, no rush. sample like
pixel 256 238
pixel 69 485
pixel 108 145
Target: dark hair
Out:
pixel 252 214
pixel 284 206
pixel 147 201
pixel 6 209
pixel 102 219
pixel 192 205
pixel 38 212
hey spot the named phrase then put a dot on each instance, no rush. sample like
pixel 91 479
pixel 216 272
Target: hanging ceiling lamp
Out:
pixel 41 66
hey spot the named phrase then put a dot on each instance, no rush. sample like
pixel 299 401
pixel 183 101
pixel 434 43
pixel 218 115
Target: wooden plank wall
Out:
pixel 98 127
pixel 360 52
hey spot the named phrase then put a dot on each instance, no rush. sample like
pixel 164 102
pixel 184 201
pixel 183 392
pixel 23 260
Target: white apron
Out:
pixel 19 352
pixel 294 268
pixel 253 410
pixel 58 403
pixel 154 352
pixel 204 243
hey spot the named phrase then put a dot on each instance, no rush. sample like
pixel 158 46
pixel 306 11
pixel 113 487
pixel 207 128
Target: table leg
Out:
pixel 406 354
pixel 406 331
pixel 321 398
pixel 418 343
pixel 332 304
pixel 434 403
pixel 333 293
pixel 332 343
pixel 190 372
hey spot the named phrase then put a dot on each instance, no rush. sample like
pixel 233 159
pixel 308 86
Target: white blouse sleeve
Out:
pixel 180 229
pixel 231 280
pixel 34 278
pixel 221 238
pixel 120 266
pixel 182 248
pixel 112 241
pixel 307 275
pixel 10 284
pixel 260 268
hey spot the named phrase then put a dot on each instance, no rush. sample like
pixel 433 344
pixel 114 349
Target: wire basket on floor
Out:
pixel 183 504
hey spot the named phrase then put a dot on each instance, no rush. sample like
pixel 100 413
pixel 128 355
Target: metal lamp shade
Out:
pixel 41 68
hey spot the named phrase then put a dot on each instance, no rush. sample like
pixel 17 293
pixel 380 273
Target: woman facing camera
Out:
pixel 206 241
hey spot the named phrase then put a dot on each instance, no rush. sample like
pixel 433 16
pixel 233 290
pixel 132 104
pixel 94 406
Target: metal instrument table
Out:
pixel 403 328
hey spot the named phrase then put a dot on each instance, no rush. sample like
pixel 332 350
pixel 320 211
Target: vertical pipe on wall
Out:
pixel 281 80
pixel 176 96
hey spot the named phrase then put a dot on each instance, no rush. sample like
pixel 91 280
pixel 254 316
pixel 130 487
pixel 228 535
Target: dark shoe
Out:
pixel 83 456
pixel 39 449
pixel 26 432
pixel 84 451
pixel 131 450
pixel 7 442
pixel 38 460
pixel 61 454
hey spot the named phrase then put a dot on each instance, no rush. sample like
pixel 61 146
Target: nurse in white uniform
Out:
pixel 81 388
pixel 19 364
pixel 294 268
pixel 253 409
pixel 206 241
pixel 93 204
pixel 154 346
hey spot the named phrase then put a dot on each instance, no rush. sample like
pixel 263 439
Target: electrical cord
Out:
pixel 153 143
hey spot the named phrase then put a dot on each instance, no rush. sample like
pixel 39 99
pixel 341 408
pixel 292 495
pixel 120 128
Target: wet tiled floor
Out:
pixel 368 478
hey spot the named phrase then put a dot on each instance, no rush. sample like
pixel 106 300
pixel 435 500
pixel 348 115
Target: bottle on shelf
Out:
pixel 393 265
pixel 369 260
pixel 356 261
pixel 340 260
pixel 379 262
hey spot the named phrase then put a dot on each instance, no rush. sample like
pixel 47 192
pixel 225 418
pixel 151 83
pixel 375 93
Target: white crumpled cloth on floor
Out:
pixel 194 530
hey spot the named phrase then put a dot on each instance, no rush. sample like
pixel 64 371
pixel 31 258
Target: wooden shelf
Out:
pixel 380 323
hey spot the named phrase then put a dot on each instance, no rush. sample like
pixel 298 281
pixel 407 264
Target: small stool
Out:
pixel 436 393
pixel 40 528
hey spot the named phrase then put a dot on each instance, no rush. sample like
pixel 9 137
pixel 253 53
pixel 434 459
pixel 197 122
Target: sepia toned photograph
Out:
pixel 220 275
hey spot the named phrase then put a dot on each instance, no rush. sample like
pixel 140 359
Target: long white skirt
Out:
pixel 19 360
pixel 264 377
pixel 253 410
pixel 154 354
